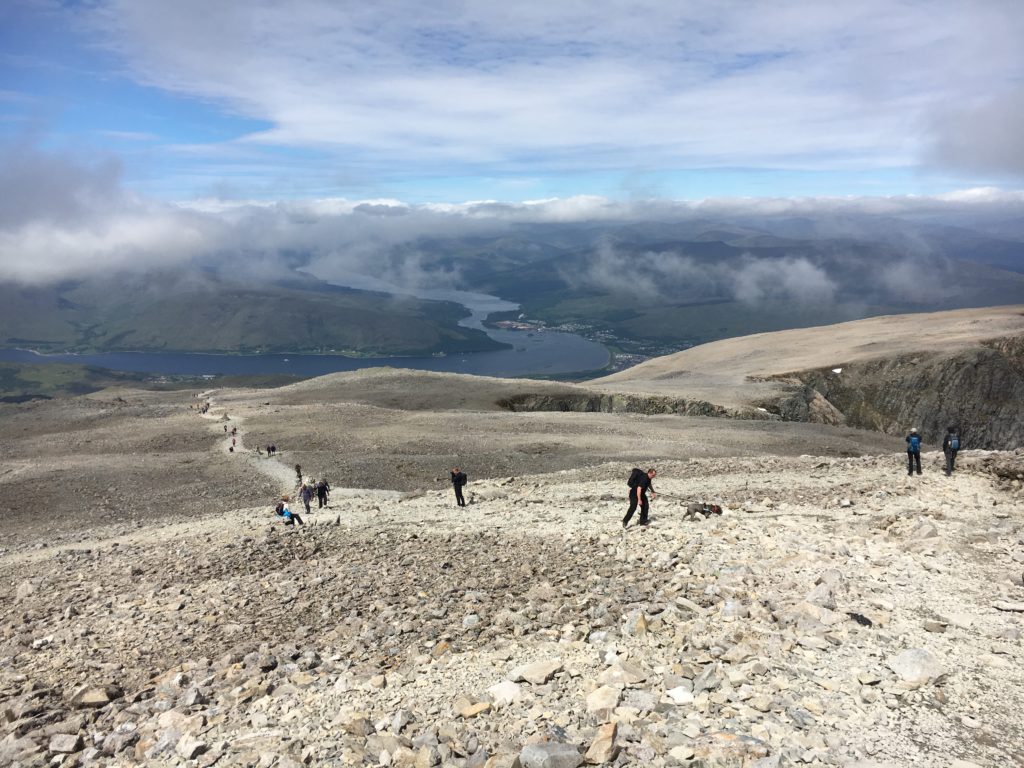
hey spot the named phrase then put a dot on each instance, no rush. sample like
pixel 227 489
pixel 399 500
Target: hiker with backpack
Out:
pixel 950 447
pixel 290 518
pixel 459 479
pixel 640 483
pixel 913 452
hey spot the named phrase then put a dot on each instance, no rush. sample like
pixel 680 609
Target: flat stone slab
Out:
pixel 537 672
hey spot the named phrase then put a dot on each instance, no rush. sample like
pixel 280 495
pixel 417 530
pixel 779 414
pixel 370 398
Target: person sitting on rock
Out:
pixel 290 518
pixel 913 452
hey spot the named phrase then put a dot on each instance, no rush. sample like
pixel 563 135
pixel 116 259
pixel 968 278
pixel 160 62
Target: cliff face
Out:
pixel 979 390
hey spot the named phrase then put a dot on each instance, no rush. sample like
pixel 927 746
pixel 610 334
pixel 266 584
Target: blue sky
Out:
pixel 473 101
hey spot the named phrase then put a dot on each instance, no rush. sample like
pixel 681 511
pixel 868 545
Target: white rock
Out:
pixel 603 699
pixel 915 666
pixel 504 693
pixel 680 695
pixel 538 672
pixel 1003 605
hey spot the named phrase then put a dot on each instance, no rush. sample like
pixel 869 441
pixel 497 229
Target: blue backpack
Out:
pixel 915 443
pixel 954 443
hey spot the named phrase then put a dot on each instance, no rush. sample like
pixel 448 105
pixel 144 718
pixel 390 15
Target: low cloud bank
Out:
pixel 64 218
pixel 672 275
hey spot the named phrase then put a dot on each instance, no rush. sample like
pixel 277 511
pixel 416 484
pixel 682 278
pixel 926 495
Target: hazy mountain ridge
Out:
pixel 210 314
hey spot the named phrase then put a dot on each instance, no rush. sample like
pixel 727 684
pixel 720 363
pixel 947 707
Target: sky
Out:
pixel 142 133
pixel 458 101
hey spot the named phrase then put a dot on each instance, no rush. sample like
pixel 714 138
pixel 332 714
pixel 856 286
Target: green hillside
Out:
pixel 215 316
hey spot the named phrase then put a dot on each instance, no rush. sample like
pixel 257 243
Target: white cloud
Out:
pixel 537 85
pixel 64 217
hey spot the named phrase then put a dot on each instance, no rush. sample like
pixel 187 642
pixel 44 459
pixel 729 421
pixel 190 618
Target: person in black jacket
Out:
pixel 322 489
pixel 913 452
pixel 950 446
pixel 638 495
pixel 459 479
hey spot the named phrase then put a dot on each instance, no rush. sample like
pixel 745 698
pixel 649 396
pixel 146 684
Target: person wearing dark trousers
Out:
pixel 913 452
pixel 950 447
pixel 459 479
pixel 306 494
pixel 290 518
pixel 638 496
pixel 322 489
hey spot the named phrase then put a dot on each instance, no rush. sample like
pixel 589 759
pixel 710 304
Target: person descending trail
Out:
pixel 950 447
pixel 298 474
pixel 640 483
pixel 913 452
pixel 322 489
pixel 306 494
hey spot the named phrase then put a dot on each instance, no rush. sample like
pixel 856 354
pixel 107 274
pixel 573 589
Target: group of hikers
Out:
pixel 950 448
pixel 308 489
pixel 641 483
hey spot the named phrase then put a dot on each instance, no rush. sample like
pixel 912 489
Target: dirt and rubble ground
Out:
pixel 155 611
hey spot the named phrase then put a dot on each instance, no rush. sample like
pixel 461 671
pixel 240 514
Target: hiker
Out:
pixel 640 483
pixel 459 479
pixel 322 489
pixel 225 429
pixel 298 474
pixel 290 518
pixel 232 441
pixel 306 494
pixel 950 447
pixel 913 451
pixel 273 449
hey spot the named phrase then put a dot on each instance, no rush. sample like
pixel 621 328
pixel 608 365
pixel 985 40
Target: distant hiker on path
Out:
pixel 640 483
pixel 913 452
pixel 459 479
pixel 298 474
pixel 322 489
pixel 950 447
pixel 290 518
